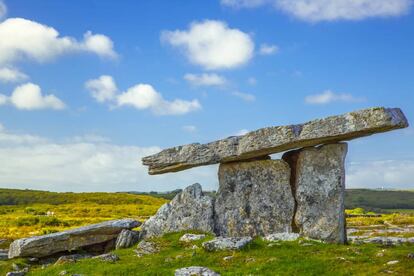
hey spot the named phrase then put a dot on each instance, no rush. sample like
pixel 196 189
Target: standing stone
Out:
pixel 318 181
pixel 126 238
pixel 189 210
pixel 254 199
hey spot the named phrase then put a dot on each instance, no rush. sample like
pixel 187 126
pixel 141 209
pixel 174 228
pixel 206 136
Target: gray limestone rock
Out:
pixel 254 199
pixel 126 238
pixel 108 257
pixel 282 237
pixel 47 245
pixel 189 210
pixel 271 140
pixel 221 243
pixel 318 182
pixel 195 271
pixel 192 237
pixel 146 248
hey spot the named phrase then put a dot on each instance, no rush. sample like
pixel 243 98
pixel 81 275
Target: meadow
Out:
pixel 27 213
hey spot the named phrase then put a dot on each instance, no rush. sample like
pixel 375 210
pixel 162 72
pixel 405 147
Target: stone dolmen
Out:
pixel 301 193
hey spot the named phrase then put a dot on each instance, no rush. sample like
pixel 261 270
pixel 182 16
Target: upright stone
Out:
pixel 254 199
pixel 189 210
pixel 318 181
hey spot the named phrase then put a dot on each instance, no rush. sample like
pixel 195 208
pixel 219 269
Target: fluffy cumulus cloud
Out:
pixel 29 161
pixel 140 96
pixel 205 79
pixel 9 74
pixel 266 49
pixel 328 96
pixel 25 39
pixel 3 9
pixel 103 89
pixel 29 97
pixel 212 44
pixel 328 10
pixel 383 173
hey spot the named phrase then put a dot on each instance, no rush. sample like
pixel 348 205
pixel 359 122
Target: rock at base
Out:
pixel 4 254
pixel 221 243
pixel 254 199
pixel 146 248
pixel 318 181
pixel 42 246
pixel 126 239
pixel 192 237
pixel 189 210
pixel 195 271
pixel 108 257
pixel 282 237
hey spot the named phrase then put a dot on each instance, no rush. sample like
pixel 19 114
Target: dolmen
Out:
pixel 96 237
pixel 303 192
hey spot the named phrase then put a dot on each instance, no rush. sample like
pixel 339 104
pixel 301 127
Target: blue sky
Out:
pixel 89 87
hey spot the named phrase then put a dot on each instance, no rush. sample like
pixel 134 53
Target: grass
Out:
pixel 287 258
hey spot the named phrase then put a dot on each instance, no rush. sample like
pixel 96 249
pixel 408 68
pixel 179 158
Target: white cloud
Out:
pixel 102 89
pixel 383 173
pixel 329 10
pixel 266 49
pixel 328 96
pixel 205 79
pixel 29 97
pixel 3 99
pixel 189 128
pixel 244 96
pixel 24 39
pixel 3 9
pixel 140 96
pixel 8 74
pixel 39 163
pixel 212 44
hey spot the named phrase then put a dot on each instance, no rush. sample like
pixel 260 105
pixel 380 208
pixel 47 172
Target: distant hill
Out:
pixel 378 200
pixel 27 197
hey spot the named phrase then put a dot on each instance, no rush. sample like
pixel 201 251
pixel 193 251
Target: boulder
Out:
pixel 4 254
pixel 221 243
pixel 192 237
pixel 271 140
pixel 195 271
pixel 73 239
pixel 282 237
pixel 146 248
pixel 126 238
pixel 108 257
pixel 254 199
pixel 318 182
pixel 189 210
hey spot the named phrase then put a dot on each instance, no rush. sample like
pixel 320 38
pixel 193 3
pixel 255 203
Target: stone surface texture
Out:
pixel 271 140
pixel 192 237
pixel 282 237
pixel 221 243
pixel 126 238
pixel 254 199
pixel 146 248
pixel 47 245
pixel 195 271
pixel 319 187
pixel 189 210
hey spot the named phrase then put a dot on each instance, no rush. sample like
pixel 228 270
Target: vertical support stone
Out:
pixel 318 184
pixel 254 199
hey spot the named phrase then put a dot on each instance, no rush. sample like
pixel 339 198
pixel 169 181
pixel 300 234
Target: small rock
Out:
pixel 393 262
pixel 380 254
pixel 33 260
pixel 341 258
pixel 250 260
pixel 410 256
pixel 228 258
pixel 195 271
pixel 109 257
pixel 71 258
pixel 226 243
pixel 282 237
pixel 4 254
pixel 146 248
pixel 126 239
pixel 16 273
pixel 63 272
pixel 192 237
